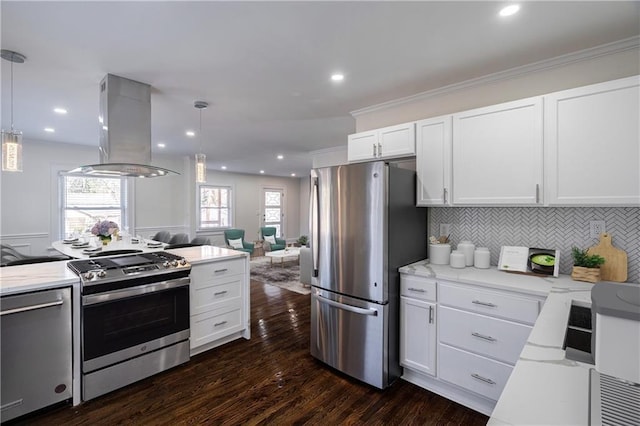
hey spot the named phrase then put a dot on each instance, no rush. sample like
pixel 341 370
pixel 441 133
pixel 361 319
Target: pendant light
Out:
pixel 201 158
pixel 12 139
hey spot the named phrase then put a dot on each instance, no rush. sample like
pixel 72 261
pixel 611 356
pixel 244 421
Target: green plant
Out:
pixel 303 240
pixel 582 258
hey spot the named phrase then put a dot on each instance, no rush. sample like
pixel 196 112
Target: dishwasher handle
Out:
pixel 31 307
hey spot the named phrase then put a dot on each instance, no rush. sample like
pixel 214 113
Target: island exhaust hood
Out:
pixel 125 131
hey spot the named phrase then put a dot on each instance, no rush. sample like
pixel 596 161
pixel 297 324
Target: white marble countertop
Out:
pixel 41 276
pixel 544 387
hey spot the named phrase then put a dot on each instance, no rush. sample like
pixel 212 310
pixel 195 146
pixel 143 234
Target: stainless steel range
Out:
pixel 134 318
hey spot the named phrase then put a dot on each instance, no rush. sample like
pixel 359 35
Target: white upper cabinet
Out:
pixel 497 154
pixel 387 142
pixel 433 161
pixel 592 145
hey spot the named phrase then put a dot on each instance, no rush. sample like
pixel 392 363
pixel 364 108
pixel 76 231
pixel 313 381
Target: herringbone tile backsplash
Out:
pixel 552 227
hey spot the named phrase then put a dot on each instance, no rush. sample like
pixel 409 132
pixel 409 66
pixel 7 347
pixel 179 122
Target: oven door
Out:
pixel 130 322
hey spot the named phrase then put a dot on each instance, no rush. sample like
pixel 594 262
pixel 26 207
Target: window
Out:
pixel 214 207
pixel 86 200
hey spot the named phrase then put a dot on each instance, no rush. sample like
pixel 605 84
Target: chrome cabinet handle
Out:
pixel 537 193
pixel 11 404
pixel 375 154
pixel 482 336
pixel 379 149
pixel 430 314
pixel 419 290
pixel 31 308
pixel 484 379
pixel 217 271
pixel 477 302
pixel 218 293
pixel 219 323
pixel 444 195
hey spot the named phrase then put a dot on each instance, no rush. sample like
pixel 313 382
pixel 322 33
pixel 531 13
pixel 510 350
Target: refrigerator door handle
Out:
pixel 314 225
pixel 349 308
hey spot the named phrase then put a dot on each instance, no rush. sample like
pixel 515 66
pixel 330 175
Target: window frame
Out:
pixel 126 198
pixel 230 207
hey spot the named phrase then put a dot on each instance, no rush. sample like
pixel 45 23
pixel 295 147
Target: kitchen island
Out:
pixel 544 387
pixel 233 300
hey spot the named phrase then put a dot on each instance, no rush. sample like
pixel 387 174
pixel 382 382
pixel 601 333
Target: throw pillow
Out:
pixel 236 243
pixel 270 239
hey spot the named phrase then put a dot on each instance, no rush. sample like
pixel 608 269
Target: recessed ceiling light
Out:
pixel 224 167
pixel 49 129
pixel 280 156
pixel 161 145
pixel 60 110
pixel 190 133
pixel 262 172
pixel 512 9
pixel 337 77
pixel 293 174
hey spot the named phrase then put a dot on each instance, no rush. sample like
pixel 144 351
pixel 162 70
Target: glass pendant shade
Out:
pixel 11 151
pixel 201 168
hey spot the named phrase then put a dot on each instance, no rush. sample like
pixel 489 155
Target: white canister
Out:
pixel 457 259
pixel 482 258
pixel 467 248
pixel 439 254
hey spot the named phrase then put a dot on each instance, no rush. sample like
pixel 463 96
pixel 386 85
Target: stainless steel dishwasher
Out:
pixel 36 351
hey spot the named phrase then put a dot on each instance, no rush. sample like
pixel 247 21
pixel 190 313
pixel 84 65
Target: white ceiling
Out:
pixel 264 67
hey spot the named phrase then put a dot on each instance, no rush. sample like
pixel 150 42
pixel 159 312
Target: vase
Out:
pixel 590 275
pixel 106 239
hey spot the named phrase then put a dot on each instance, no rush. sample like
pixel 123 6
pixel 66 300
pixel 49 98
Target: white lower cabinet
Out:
pixel 467 355
pixel 219 303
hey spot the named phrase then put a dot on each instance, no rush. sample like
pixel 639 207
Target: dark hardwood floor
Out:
pixel 270 379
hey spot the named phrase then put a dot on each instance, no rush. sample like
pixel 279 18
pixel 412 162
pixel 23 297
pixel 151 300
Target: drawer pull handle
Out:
pixel 218 293
pixel 12 404
pixel 419 290
pixel 31 308
pixel 430 314
pixel 219 323
pixel 217 271
pixel 482 336
pixel 483 379
pixel 489 304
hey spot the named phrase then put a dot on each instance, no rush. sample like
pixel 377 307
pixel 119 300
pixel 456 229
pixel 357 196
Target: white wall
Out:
pixel 29 200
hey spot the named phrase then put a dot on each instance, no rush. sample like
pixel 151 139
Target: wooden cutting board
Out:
pixel 615 265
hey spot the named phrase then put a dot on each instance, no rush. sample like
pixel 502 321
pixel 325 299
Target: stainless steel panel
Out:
pixel 36 351
pixel 351 335
pixel 115 357
pixel 351 239
pixel 111 378
pixel 134 291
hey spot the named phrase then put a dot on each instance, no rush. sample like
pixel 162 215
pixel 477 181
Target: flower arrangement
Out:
pixel 104 229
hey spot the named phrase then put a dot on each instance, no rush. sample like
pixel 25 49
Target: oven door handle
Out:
pixel 135 291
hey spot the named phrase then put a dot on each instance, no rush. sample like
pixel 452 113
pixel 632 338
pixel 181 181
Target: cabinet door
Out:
pixel 418 335
pixel 433 161
pixel 397 141
pixel 592 144
pixel 362 146
pixel 497 154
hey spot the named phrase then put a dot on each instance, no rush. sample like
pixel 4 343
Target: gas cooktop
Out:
pixel 119 262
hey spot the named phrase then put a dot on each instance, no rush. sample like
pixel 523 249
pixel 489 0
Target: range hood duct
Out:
pixel 125 131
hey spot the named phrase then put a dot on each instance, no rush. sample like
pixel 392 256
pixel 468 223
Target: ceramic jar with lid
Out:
pixel 482 258
pixel 467 248
pixel 457 259
pixel 439 254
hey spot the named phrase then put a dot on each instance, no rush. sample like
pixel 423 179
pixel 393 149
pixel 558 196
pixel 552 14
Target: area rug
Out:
pixel 287 277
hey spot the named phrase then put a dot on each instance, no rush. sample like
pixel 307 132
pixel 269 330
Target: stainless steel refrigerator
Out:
pixel 364 226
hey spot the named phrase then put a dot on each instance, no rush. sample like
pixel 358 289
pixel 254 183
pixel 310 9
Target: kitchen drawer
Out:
pixel 206 272
pixel 493 337
pixel 210 294
pixel 211 326
pixel 418 287
pixel 473 372
pixel 487 302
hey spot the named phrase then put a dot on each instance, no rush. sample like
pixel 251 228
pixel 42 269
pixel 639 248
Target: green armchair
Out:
pixel 235 235
pixel 270 231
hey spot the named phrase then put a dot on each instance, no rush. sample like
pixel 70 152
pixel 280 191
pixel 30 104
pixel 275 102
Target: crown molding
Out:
pixel 556 62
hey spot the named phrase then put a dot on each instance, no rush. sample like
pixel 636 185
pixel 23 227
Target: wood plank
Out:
pixel 270 379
